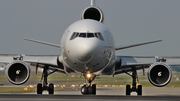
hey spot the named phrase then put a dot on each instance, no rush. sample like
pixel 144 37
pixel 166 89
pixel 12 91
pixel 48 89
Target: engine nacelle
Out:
pixel 17 72
pixel 94 13
pixel 159 74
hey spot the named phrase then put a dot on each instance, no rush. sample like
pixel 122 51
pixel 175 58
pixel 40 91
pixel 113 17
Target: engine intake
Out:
pixel 17 72
pixel 94 13
pixel 159 74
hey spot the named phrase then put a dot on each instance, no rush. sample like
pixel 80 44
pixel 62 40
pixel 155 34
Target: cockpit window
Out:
pixel 82 35
pixel 87 35
pixel 74 35
pixel 99 36
pixel 90 35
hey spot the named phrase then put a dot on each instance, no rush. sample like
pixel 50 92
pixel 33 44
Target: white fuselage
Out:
pixel 87 45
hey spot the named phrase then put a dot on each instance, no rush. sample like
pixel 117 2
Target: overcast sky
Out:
pixel 130 21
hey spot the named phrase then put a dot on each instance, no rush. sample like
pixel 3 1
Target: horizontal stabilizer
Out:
pixel 135 45
pixel 41 42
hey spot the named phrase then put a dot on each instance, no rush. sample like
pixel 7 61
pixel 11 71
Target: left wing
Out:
pixel 140 62
pixel 159 70
pixel 126 63
pixel 135 45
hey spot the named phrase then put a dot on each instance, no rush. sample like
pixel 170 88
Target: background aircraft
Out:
pixel 88 48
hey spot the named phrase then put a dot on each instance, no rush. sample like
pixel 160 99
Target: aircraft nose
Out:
pixel 85 51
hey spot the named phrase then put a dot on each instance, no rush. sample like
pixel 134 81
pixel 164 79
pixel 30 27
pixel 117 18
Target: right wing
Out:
pixel 18 67
pixel 34 60
pixel 41 42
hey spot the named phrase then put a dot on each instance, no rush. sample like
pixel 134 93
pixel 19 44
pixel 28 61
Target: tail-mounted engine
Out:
pixel 94 13
pixel 17 72
pixel 159 74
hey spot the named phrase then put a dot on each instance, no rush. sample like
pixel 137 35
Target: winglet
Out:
pixel 41 42
pixel 135 45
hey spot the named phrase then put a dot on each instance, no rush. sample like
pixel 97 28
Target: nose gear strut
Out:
pixel 88 87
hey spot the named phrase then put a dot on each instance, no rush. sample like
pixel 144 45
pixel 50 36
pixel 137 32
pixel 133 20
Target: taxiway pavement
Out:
pixel 34 97
pixel 103 94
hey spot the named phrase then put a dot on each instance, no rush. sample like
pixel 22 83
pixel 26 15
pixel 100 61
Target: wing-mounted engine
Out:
pixel 93 13
pixel 159 74
pixel 17 72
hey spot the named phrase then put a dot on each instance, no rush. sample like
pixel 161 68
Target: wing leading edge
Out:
pixel 41 42
pixel 135 45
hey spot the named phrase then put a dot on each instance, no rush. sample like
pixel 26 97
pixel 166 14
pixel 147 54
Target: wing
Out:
pixel 135 45
pixel 34 60
pixel 159 71
pixel 41 42
pixel 18 67
pixel 126 63
pixel 45 60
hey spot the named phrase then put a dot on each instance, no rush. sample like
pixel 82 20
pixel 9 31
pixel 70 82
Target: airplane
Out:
pixel 87 47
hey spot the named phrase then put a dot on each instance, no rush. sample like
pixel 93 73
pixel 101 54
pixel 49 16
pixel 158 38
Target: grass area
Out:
pixel 21 89
pixel 62 79
pixel 16 89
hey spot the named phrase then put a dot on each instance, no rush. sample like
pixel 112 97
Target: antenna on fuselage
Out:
pixel 92 2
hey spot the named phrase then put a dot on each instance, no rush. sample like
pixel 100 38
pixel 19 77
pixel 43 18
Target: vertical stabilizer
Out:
pixel 92 2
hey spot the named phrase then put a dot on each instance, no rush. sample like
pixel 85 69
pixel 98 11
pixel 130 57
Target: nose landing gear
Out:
pixel 89 88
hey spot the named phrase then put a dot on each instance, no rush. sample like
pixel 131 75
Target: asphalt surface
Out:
pixel 33 97
pixel 103 94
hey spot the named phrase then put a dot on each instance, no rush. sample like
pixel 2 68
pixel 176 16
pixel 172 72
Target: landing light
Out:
pixel 88 75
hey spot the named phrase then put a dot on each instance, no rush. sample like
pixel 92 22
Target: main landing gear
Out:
pixel 89 88
pixel 44 86
pixel 137 89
